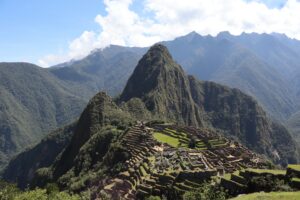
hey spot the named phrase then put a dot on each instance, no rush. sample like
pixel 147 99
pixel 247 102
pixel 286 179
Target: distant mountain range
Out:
pixel 265 66
pixel 158 89
pixel 249 62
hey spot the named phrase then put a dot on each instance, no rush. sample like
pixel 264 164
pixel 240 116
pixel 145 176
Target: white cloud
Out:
pixel 78 48
pixel 167 19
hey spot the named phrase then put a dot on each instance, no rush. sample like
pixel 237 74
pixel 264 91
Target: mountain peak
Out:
pixel 158 47
pixel 159 52
pixel 152 70
pixel 162 86
pixel 224 34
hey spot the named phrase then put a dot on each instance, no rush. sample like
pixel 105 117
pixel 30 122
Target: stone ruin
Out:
pixel 153 165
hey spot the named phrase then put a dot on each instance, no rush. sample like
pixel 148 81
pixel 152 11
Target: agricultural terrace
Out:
pixel 271 195
pixel 178 156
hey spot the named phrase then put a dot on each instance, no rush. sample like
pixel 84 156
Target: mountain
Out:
pixel 162 85
pixel 33 102
pixel 265 66
pixel 253 63
pixel 240 62
pixel 36 101
pixel 105 69
pixel 167 92
pixel 157 90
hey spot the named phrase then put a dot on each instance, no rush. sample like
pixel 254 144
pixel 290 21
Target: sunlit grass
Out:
pixel 270 196
pixel 174 142
pixel 271 171
pixel 295 167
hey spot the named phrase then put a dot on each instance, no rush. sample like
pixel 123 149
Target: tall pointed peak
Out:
pixel 149 72
pixel 158 52
pixel 157 57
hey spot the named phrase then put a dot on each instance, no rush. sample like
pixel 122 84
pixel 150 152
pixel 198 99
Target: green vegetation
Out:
pixel 174 142
pixel 153 198
pixel 33 102
pixel 39 156
pixel 97 150
pixel 294 167
pixel 269 171
pixel 228 175
pixel 178 139
pixel 192 143
pixel 11 192
pixel 267 183
pixel 295 179
pixel 205 191
pixel 270 196
pixel 293 123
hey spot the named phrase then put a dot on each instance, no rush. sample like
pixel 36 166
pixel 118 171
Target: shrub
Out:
pixel 153 198
pixel 267 183
pixel 38 194
pixel 11 192
pixel 192 143
pixel 8 191
pixel 204 192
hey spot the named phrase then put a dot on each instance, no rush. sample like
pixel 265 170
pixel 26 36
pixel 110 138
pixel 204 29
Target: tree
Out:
pixel 206 191
pixel 192 143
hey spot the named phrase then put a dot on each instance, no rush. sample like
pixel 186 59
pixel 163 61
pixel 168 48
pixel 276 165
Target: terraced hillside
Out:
pixel 253 180
pixel 164 156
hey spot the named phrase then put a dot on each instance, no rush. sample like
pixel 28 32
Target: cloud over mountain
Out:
pixel 124 23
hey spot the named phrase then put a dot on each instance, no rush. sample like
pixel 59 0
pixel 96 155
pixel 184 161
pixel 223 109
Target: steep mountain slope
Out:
pixel 294 125
pixel 33 102
pixel 282 54
pixel 101 112
pixel 157 89
pixel 22 168
pixel 229 60
pixel 162 85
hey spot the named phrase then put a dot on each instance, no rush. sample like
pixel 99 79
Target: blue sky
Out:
pixel 272 3
pixel 32 28
pixel 54 31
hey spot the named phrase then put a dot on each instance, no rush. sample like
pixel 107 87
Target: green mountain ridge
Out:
pixel 36 100
pixel 247 62
pixel 106 69
pixel 33 102
pixel 228 60
pixel 253 63
pixel 171 95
